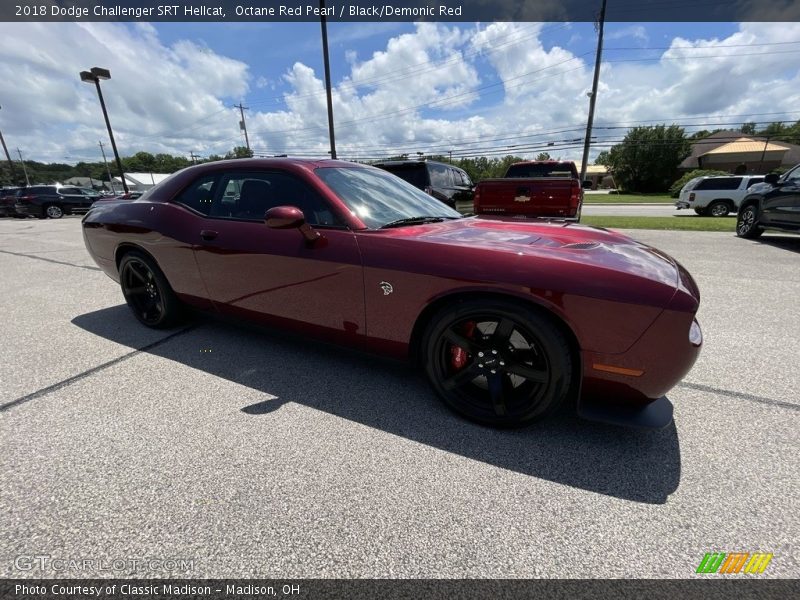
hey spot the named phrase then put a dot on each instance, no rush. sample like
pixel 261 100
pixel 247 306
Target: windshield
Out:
pixel 379 198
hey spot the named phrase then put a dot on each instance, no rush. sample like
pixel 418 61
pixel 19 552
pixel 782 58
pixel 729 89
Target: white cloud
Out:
pixel 439 87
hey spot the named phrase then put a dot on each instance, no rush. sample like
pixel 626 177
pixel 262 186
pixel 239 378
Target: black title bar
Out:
pixel 400 10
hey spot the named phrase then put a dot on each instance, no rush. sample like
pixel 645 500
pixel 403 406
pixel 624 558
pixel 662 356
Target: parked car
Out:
pixel 444 182
pixel 716 195
pixel 508 319
pixel 775 204
pixel 53 202
pixel 533 189
pixel 8 196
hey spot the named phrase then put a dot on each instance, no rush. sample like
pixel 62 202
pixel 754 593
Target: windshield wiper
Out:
pixel 415 221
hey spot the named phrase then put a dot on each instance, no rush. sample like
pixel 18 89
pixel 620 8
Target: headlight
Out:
pixel 695 334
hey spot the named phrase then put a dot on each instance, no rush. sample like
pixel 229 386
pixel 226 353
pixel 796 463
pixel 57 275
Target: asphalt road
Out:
pixel 252 455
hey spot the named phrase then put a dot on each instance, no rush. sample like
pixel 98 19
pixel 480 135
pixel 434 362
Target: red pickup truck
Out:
pixel 533 189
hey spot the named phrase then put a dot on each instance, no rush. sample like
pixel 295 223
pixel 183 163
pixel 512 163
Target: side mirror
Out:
pixel 772 178
pixel 291 217
pixel 587 184
pixel 284 217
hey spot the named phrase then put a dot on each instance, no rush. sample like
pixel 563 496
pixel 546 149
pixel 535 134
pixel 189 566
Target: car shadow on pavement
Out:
pixel 638 465
pixel 784 242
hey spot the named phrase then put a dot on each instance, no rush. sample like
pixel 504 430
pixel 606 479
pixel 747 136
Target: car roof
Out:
pixel 411 161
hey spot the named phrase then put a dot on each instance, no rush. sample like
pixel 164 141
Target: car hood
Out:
pixel 594 260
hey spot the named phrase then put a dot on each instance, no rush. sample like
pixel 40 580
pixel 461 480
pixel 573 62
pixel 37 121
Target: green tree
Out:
pixel 543 156
pixel 240 152
pixel 602 158
pixel 647 159
pixel 748 128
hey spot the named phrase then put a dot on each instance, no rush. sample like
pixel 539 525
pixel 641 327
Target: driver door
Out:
pixel 274 275
pixel 781 204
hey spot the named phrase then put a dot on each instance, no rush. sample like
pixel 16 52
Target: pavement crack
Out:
pixel 50 260
pixel 739 395
pixel 89 372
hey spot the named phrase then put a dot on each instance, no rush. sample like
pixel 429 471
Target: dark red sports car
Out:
pixel 509 319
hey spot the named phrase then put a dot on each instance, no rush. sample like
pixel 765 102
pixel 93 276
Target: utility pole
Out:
pixel 24 170
pixel 8 158
pixel 593 96
pixel 193 156
pixel 243 124
pixel 326 60
pixel 108 170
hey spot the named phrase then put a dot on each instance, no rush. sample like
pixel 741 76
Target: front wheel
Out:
pixel 747 223
pixel 147 291
pixel 497 362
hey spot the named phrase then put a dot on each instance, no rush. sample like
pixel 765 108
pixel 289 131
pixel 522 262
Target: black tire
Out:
pixel 52 211
pixel 747 223
pixel 514 368
pixel 700 212
pixel 718 208
pixel 147 291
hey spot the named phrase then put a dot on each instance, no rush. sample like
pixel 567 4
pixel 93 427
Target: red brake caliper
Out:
pixel 458 355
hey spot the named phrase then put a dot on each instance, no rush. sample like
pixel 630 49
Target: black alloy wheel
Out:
pixel 147 291
pixel 497 362
pixel 747 223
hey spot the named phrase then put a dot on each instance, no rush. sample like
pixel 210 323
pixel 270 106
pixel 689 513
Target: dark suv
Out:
pixel 774 204
pixel 53 202
pixel 442 181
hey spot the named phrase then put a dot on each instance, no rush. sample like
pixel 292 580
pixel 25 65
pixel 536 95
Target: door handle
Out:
pixel 208 235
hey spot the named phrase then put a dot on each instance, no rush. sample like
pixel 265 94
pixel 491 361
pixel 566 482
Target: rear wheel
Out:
pixel 719 208
pixel 53 211
pixel 147 291
pixel 747 223
pixel 497 363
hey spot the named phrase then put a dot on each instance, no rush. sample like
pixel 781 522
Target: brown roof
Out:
pixel 745 144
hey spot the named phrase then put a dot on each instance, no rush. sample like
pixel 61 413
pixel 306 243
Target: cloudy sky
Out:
pixel 470 89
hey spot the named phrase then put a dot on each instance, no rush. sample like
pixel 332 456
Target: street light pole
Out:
pixel 108 169
pixel 8 158
pixel 326 60
pixel 593 97
pixel 94 76
pixel 24 170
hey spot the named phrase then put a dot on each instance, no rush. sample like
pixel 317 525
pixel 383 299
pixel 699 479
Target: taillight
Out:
pixel 575 197
pixel 691 197
pixel 476 198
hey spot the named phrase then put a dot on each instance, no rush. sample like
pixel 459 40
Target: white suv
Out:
pixel 716 196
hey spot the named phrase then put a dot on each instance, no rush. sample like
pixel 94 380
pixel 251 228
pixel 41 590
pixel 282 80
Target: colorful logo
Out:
pixel 734 562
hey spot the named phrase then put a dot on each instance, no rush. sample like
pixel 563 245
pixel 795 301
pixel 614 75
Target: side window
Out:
pixel 720 183
pixel 753 181
pixel 465 178
pixel 794 176
pixel 199 195
pixel 440 175
pixel 249 195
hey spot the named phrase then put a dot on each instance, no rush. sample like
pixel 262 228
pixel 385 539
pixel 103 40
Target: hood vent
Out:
pixel 581 245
